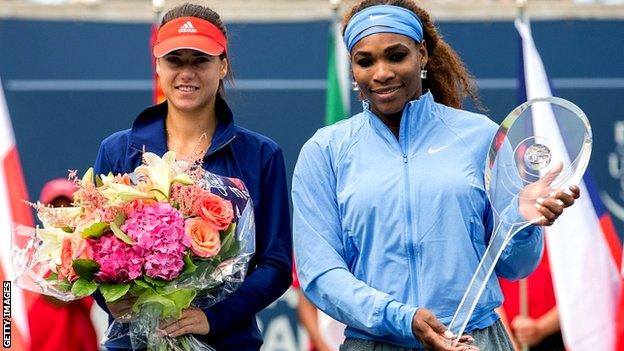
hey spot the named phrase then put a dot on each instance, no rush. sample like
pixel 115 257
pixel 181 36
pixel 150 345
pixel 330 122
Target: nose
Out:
pixel 383 72
pixel 187 73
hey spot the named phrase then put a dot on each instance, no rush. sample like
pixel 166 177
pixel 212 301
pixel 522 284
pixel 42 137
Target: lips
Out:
pixel 386 92
pixel 187 88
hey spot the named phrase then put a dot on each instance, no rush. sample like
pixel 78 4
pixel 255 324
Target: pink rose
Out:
pixel 205 241
pixel 214 210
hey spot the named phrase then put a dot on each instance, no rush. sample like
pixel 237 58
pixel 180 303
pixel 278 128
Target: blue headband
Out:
pixel 382 19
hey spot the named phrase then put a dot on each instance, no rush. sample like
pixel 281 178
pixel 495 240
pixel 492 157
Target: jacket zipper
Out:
pixel 409 221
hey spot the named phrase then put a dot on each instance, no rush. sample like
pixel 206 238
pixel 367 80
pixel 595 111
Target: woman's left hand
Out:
pixel 192 321
pixel 540 200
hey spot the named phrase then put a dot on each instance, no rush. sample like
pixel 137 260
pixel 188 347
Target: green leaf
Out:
pixel 136 289
pixel 67 229
pixel 230 231
pixel 52 277
pixel 120 218
pixel 95 230
pixel 232 251
pixel 120 234
pixel 189 266
pixel 151 297
pixel 64 285
pixel 113 292
pixel 172 304
pixel 83 287
pixel 229 244
pixel 182 299
pixel 155 282
pixel 86 268
pixel 204 268
pixel 141 283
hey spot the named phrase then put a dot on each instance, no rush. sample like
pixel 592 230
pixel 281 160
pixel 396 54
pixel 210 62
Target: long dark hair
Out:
pixel 447 77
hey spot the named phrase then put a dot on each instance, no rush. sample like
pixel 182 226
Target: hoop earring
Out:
pixel 354 86
pixel 423 74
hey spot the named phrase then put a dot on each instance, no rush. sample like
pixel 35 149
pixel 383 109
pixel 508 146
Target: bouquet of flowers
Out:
pixel 170 234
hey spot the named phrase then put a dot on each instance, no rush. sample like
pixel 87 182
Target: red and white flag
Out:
pixel 12 209
pixel 619 331
pixel 583 247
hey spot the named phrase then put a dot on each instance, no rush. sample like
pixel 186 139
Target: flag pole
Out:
pixel 523 284
pixel 521 5
pixel 157 7
pixel 335 7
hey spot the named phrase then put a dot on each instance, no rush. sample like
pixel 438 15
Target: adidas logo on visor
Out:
pixel 187 27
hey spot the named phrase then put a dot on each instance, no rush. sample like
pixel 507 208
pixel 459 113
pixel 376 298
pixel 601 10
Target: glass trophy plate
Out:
pixel 542 145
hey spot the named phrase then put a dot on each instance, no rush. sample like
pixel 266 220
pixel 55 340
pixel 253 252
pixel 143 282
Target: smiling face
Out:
pixel 386 67
pixel 190 79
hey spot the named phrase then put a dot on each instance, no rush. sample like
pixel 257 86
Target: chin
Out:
pixel 390 109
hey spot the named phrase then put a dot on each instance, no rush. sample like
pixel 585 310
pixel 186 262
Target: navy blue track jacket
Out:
pixel 259 163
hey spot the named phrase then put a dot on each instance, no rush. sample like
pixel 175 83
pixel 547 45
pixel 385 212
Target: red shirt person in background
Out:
pixel 325 333
pixel 540 330
pixel 57 325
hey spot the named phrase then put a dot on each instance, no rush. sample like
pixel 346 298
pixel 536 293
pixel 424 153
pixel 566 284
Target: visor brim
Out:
pixel 198 43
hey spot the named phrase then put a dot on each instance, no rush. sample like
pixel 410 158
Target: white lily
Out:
pixel 118 193
pixel 161 173
pixel 52 239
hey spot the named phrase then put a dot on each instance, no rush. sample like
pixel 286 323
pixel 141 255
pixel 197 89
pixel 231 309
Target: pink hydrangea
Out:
pixel 119 262
pixel 158 232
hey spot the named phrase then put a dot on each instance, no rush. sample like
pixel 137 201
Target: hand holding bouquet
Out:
pixel 166 237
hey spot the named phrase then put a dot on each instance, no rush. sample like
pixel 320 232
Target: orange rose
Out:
pixel 67 258
pixel 71 249
pixel 136 205
pixel 205 241
pixel 214 210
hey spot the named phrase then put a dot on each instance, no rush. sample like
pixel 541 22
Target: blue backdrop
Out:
pixel 70 84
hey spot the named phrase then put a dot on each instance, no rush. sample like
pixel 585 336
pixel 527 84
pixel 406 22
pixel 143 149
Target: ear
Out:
pixel 158 66
pixel 225 66
pixel 422 49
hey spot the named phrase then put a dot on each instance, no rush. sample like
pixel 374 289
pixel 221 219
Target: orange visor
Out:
pixel 190 33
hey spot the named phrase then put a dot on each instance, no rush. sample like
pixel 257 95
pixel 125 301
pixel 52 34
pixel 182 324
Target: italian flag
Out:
pixel 338 96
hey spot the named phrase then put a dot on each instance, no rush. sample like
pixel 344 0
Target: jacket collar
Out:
pixel 415 114
pixel 148 130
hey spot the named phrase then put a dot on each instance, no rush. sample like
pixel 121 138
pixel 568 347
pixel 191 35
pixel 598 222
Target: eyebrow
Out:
pixel 386 50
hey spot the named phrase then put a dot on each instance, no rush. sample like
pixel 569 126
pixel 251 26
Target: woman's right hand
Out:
pixel 431 332
pixel 122 308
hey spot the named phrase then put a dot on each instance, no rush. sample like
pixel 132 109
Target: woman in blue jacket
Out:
pixel 391 215
pixel 192 61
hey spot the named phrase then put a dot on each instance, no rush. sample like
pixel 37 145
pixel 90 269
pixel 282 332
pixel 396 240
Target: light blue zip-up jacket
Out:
pixel 385 226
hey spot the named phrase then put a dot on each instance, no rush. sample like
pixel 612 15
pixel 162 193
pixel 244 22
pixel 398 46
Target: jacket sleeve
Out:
pixel 320 254
pixel 273 256
pixel 523 253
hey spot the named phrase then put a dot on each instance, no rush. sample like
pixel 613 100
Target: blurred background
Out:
pixel 74 71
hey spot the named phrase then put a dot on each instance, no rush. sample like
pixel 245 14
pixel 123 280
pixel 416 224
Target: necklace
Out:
pixel 197 153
